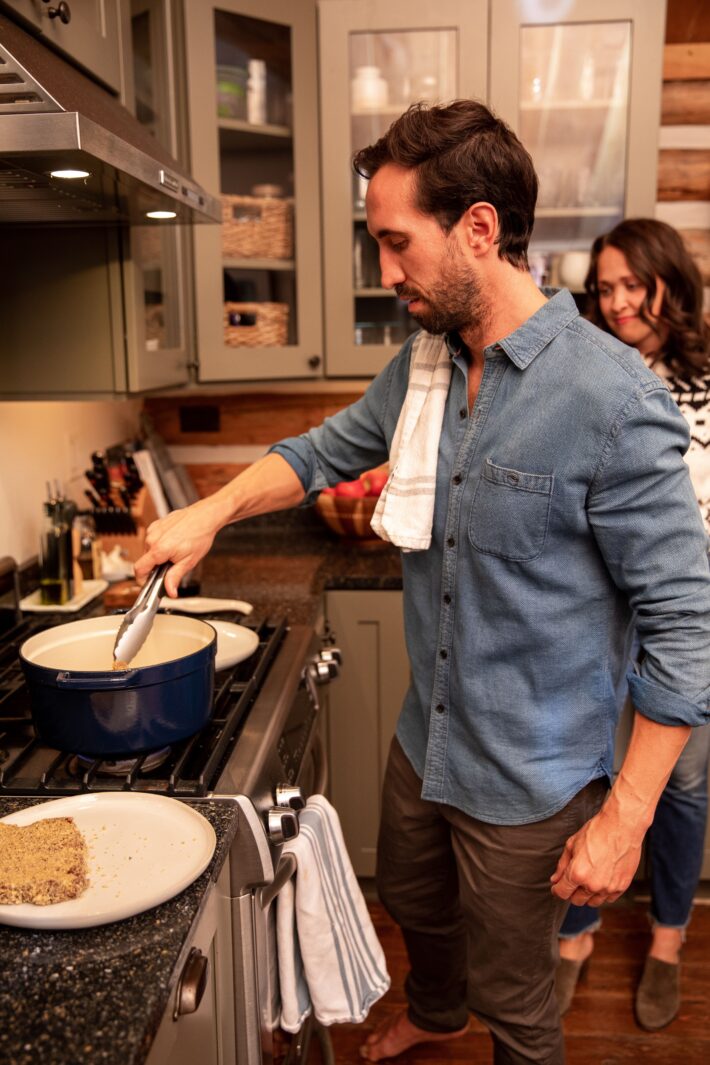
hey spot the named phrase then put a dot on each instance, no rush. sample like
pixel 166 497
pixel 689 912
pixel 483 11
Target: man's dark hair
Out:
pixel 462 154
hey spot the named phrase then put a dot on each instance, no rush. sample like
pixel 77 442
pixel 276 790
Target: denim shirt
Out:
pixel 564 517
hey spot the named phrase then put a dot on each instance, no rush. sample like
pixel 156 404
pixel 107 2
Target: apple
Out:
pixel 351 489
pixel 375 480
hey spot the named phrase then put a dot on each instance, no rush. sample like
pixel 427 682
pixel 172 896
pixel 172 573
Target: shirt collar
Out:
pixel 536 333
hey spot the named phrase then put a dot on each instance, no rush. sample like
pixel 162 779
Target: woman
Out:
pixel 644 287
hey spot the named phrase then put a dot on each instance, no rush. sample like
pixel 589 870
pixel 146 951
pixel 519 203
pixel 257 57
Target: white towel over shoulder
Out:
pixel 328 952
pixel 404 514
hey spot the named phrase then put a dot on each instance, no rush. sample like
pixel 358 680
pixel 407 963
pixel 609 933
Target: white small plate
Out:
pixel 143 849
pixel 90 589
pixel 234 643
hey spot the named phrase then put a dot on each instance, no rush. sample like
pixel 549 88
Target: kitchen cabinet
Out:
pixel 253 112
pixel 363 707
pixel 583 92
pixel 94 311
pixel 205 1035
pixel 88 33
pixel 375 60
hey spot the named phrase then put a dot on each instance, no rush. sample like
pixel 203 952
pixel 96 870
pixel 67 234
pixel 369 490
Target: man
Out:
pixel 540 495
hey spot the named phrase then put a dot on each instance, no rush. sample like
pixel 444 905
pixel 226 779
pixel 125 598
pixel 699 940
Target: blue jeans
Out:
pixel 675 843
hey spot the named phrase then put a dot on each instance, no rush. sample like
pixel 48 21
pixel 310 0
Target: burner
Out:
pixel 107 767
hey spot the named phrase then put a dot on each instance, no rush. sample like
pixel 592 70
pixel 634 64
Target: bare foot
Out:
pixel 397 1034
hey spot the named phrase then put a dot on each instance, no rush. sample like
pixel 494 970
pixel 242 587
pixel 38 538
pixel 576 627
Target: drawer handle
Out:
pixel 192 984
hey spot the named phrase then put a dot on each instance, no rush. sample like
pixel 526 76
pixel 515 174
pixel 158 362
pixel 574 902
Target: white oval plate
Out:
pixel 234 643
pixel 142 850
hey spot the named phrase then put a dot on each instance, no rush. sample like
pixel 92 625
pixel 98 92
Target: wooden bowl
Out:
pixel 348 517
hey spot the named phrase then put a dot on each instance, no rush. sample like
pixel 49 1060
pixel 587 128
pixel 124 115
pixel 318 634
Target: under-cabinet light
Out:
pixel 161 214
pixel 69 175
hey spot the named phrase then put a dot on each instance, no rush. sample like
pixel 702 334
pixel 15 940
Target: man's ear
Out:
pixel 480 227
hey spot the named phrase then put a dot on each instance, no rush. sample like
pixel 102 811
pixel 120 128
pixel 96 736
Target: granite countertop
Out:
pixel 97 995
pixel 284 563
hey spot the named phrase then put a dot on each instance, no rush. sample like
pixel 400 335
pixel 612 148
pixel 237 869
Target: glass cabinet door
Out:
pixel 581 87
pixel 157 284
pixel 254 128
pixel 374 64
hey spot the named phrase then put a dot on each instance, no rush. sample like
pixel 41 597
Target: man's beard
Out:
pixel 454 303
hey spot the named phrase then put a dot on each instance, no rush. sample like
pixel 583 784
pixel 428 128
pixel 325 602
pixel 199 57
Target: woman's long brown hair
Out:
pixel 654 249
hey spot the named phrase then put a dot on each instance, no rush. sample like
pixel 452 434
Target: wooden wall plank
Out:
pixel 249 418
pixel 687 20
pixel 697 241
pixel 683 175
pixel 685 103
pixel 209 476
pixel 686 62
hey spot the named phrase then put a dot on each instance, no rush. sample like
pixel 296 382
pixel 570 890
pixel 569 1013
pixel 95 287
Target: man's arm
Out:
pixel 598 862
pixel 185 536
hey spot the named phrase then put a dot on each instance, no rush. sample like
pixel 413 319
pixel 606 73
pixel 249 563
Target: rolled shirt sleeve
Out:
pixel 648 525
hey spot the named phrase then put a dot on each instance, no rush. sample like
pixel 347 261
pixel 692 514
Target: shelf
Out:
pixel 258 264
pixel 236 134
pixel 577 212
pixel 368 292
pixel 570 105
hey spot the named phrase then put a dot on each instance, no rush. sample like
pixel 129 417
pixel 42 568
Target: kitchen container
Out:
pixel 79 704
pixel 369 90
pixel 232 92
pixel 255 325
pixel 348 517
pixel 256 227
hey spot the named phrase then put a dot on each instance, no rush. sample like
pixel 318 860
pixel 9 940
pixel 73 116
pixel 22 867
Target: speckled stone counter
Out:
pixel 282 564
pixel 97 995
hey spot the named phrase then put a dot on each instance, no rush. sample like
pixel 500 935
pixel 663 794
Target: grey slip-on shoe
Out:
pixel 658 994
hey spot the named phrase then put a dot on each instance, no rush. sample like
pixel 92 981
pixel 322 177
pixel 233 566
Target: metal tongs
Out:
pixel 138 621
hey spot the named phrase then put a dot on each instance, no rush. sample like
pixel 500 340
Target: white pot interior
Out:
pixel 87 646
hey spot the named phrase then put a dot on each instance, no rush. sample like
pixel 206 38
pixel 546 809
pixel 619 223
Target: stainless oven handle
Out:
pixel 285 870
pixel 320 763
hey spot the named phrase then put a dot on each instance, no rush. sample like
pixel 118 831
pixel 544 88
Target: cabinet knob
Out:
pixel 192 984
pixel 314 362
pixel 62 11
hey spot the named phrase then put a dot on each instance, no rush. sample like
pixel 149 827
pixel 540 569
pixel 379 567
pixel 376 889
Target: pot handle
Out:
pixel 119 679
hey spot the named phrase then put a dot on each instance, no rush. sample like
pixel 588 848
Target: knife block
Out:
pixel 132 545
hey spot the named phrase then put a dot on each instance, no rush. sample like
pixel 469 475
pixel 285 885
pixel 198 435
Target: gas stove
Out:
pixel 188 769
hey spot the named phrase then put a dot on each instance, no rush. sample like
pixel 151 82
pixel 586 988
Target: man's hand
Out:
pixel 183 538
pixel 598 862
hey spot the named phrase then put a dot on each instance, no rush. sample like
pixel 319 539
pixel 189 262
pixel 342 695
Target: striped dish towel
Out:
pixel 405 510
pixel 329 957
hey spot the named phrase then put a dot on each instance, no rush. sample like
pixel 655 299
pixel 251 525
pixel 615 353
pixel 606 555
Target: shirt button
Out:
pixel 457 478
pixel 443 654
pixel 463 413
pixel 440 708
pixel 450 542
pixel 447 598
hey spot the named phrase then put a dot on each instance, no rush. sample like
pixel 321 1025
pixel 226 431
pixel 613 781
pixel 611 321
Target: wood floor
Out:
pixel 599 1028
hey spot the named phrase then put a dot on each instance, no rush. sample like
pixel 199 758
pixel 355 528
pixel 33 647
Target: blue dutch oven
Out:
pixel 80 705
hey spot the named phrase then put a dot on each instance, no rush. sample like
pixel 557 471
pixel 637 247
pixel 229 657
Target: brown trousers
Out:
pixel 480 923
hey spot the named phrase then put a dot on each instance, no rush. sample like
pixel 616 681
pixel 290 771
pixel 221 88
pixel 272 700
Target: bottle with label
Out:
pixel 89 547
pixel 55 559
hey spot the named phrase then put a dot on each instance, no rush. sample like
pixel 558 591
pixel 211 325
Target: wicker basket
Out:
pixel 348 517
pixel 269 329
pixel 257 228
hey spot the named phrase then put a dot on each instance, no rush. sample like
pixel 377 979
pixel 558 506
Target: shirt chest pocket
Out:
pixel 510 513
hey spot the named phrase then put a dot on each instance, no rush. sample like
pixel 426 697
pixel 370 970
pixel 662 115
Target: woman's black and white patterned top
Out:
pixel 692 394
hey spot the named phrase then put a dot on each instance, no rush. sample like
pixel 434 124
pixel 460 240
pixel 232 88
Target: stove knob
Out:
pixel 282 824
pixel 290 795
pixel 325 665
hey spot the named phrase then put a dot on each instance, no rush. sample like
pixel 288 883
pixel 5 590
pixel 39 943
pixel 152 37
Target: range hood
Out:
pixel 53 117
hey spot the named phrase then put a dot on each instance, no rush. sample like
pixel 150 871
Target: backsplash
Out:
pixel 50 441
